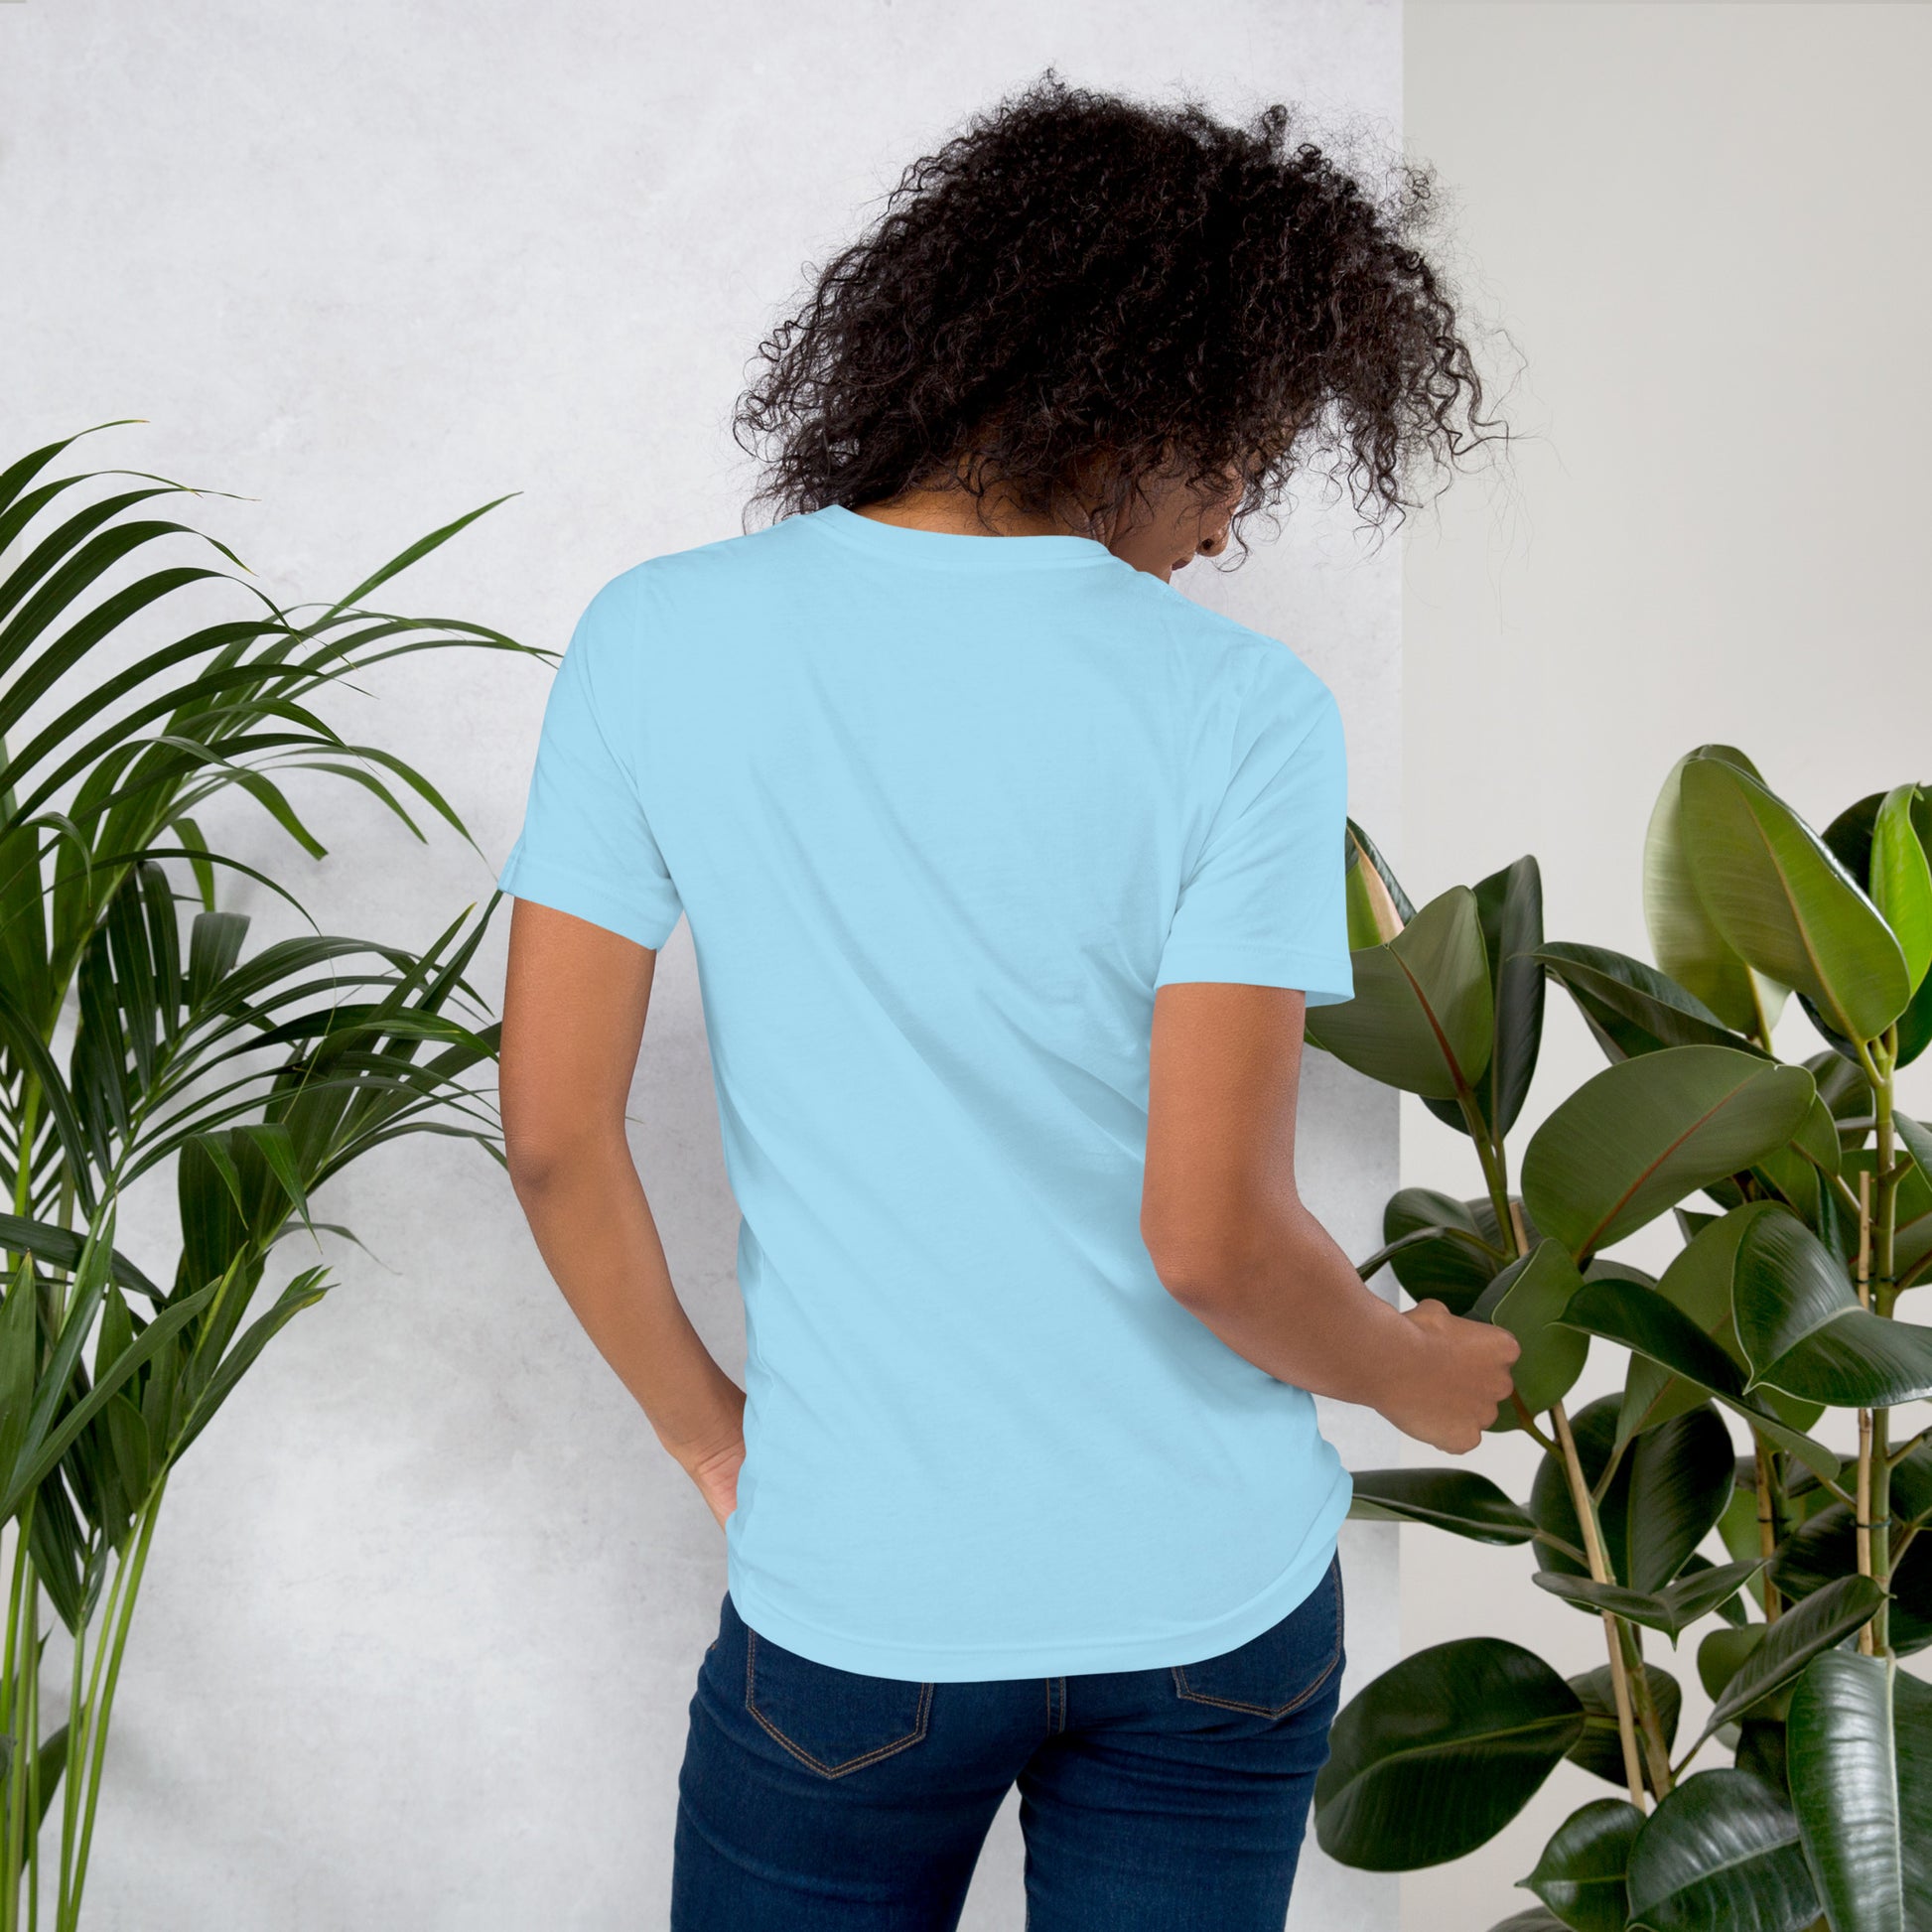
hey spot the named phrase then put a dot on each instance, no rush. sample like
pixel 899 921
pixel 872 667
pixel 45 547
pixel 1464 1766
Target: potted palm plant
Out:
pixel 142 1038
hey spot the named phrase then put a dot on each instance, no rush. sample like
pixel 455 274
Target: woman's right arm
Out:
pixel 1231 1241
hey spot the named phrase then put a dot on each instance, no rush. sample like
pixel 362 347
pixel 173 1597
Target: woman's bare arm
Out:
pixel 574 1010
pixel 1232 1242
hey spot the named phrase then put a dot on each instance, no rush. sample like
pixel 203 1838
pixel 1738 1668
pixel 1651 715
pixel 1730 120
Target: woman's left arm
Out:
pixel 574 1010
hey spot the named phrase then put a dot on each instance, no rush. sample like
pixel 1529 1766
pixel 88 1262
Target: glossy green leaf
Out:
pixel 1824 1548
pixel 1458 1500
pixel 1633 1008
pixel 304 1292
pixel 1537 1919
pixel 1720 1852
pixel 1915 1025
pixel 1917 1140
pixel 1528 1299
pixel 1440 1752
pixel 1599 1749
pixel 1670 1487
pixel 1849 837
pixel 1784 904
pixel 1672 1609
pixel 1689 946
pixel 1378 907
pixel 1722 1655
pixel 1913 1210
pixel 1912 1735
pixel 1580 1874
pixel 61 1247
pixel 1636 1138
pixel 1760 1751
pixel 1911 1488
pixel 1901 879
pixel 1845 1090
pixel 1421 1017
pixel 1818 1624
pixel 1816 1138
pixel 1804 1330
pixel 1509 906
pixel 1441 1249
pixel 1641 1320
pixel 1697 1284
pixel 41 1453
pixel 1843 1766
pixel 1734 1608
pixel 54 1765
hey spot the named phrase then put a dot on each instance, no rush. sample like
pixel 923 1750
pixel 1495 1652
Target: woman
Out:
pixel 1010 872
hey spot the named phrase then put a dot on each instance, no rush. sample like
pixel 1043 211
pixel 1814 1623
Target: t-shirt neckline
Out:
pixel 956 550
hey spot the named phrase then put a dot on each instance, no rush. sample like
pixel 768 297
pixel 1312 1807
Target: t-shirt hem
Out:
pixel 974 1664
pixel 1326 980
pixel 544 884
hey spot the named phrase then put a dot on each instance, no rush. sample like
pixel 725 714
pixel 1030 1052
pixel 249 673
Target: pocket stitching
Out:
pixel 798 1750
pixel 1271 1710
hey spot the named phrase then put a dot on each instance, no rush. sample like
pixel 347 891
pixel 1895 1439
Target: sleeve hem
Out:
pixel 1321 976
pixel 563 891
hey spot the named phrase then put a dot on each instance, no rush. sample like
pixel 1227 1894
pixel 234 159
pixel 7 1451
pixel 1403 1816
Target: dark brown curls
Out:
pixel 1078 292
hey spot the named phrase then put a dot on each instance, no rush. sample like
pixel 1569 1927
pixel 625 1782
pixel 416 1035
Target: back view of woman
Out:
pixel 1010 872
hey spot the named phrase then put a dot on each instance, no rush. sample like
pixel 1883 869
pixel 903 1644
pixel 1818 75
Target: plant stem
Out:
pixel 1527 1423
pixel 10 1905
pixel 29 1122
pixel 1861 1523
pixel 1611 1463
pixel 19 1702
pixel 1876 1465
pixel 1656 1749
pixel 103 1702
pixel 31 1729
pixel 80 1719
pixel 1767 1529
pixel 1495 1175
pixel 1599 1569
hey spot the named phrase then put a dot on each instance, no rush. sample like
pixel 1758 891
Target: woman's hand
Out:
pixel 574 1009
pixel 716 1475
pixel 1459 1383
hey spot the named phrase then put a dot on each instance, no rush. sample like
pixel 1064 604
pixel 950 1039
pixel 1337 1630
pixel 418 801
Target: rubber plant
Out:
pixel 1804 1199
pixel 140 1039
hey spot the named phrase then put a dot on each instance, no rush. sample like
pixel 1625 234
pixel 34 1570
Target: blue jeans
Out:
pixel 820 1800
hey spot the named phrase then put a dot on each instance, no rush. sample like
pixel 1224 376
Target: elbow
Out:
pixel 1204 1266
pixel 533 1167
pixel 541 1161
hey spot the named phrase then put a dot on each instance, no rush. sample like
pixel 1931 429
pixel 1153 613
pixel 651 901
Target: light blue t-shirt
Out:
pixel 943 813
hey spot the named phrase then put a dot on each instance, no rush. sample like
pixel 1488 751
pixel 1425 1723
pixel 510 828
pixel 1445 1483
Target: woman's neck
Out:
pixel 952 509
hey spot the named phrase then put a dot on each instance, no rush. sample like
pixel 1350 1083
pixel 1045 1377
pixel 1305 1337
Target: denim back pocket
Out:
pixel 834 1720
pixel 1280 1670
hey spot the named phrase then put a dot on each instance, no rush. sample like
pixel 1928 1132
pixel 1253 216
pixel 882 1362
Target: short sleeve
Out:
pixel 1266 901
pixel 586 846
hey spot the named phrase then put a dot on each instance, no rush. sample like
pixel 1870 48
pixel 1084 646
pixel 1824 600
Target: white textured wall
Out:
pixel 427 1603
pixel 1704 226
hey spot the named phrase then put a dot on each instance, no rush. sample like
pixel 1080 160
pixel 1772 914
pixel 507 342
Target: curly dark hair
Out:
pixel 1078 292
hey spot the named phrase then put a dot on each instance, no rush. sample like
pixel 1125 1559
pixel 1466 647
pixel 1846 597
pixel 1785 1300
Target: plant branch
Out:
pixel 1602 1487
pixel 1599 1569
pixel 1650 1729
pixel 103 1702
pixel 1495 1175
pixel 23 1594
pixel 1767 1526
pixel 1527 1423
pixel 1874 1500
